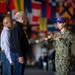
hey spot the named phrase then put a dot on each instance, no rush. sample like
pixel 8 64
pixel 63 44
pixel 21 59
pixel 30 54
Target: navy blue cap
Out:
pixel 61 20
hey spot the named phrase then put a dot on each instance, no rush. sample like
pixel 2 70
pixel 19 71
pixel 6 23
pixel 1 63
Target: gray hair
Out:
pixel 20 14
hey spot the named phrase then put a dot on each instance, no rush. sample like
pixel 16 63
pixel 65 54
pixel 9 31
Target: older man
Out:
pixel 18 44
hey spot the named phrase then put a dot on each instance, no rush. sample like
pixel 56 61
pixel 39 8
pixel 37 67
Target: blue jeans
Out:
pixel 6 68
pixel 18 68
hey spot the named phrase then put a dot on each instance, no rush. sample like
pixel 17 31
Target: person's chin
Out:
pixel 59 28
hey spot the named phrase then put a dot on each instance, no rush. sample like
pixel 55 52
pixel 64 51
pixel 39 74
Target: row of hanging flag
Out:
pixel 42 13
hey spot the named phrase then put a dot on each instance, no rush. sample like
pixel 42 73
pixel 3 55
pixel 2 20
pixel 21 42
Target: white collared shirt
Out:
pixel 5 43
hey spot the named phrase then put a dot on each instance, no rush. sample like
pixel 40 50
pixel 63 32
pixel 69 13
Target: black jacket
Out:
pixel 18 41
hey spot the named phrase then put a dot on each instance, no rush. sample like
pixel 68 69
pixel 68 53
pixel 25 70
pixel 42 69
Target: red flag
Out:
pixel 36 6
pixel 48 9
pixel 3 6
pixel 11 5
pixel 36 10
pixel 35 18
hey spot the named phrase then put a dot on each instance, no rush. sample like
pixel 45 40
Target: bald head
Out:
pixel 7 22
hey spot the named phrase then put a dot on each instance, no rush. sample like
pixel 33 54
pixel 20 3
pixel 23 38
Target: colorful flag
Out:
pixel 19 5
pixel 27 5
pixel 43 9
pixel 12 14
pixel 66 11
pixel 43 24
pixel 36 10
pixel 30 18
pixel 3 6
pixel 69 3
pixel 35 15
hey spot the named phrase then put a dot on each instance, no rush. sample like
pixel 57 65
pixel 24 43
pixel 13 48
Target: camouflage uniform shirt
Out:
pixel 63 52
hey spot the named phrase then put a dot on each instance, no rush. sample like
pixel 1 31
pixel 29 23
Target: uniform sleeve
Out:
pixel 50 42
pixel 68 41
